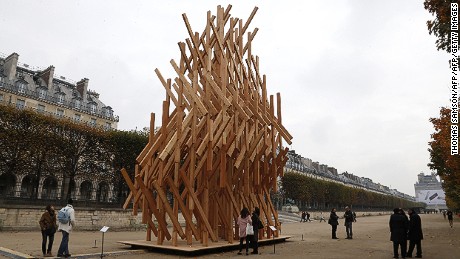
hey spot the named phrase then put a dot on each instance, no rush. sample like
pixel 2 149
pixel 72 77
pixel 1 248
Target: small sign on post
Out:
pixel 273 234
pixel 103 230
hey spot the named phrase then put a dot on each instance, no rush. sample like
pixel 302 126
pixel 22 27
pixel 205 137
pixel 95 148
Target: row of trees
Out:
pixel 38 145
pixel 323 194
pixel 446 165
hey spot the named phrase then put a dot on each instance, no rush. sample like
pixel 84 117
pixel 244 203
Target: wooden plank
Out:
pixel 151 202
pixel 197 203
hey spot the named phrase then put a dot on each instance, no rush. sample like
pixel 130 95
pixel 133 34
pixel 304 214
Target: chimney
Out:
pixel 11 62
pixel 82 88
pixel 47 75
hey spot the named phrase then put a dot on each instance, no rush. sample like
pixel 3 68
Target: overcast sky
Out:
pixel 359 80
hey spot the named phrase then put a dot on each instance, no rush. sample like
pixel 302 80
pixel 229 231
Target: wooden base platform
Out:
pixel 196 248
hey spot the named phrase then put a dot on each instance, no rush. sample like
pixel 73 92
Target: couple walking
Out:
pixel 403 229
pixel 50 223
pixel 245 220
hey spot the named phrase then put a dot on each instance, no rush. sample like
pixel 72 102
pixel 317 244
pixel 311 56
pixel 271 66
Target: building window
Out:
pixel 92 108
pixel 42 93
pixel 21 88
pixel 2 81
pixel 108 125
pixel 41 108
pixel 60 113
pixel 77 104
pixel 61 99
pixel 108 112
pixel 93 122
pixel 1 97
pixel 77 117
pixel 20 104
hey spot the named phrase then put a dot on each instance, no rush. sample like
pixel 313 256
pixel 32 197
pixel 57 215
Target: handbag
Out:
pixel 50 231
pixel 249 229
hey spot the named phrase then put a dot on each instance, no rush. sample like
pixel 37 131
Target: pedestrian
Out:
pixel 48 227
pixel 399 225
pixel 348 222
pixel 303 216
pixel 444 212
pixel 415 234
pixel 321 217
pixel 308 216
pixel 66 219
pixel 333 221
pixel 243 220
pixel 450 218
pixel 257 225
pixel 354 216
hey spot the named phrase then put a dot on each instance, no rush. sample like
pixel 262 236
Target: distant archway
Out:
pixel 73 193
pixel 102 194
pixel 29 186
pixel 7 185
pixel 49 190
pixel 86 190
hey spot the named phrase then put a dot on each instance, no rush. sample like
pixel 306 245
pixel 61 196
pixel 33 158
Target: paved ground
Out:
pixel 309 240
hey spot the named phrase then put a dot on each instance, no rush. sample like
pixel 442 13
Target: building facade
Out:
pixel 429 190
pixel 298 164
pixel 40 90
pixel 25 87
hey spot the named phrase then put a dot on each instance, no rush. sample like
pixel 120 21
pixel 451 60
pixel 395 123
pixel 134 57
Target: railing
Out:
pixel 83 107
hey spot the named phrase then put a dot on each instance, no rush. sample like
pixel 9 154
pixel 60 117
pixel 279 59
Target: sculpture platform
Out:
pixel 196 248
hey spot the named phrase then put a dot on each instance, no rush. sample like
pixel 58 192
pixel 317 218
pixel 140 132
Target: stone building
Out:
pixel 429 190
pixel 26 87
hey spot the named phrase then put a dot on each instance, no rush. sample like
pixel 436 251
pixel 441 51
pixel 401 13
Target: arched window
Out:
pixel 29 186
pixel 102 194
pixel 85 190
pixel 7 185
pixel 49 190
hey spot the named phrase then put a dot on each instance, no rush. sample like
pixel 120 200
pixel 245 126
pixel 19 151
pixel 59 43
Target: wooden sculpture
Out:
pixel 220 148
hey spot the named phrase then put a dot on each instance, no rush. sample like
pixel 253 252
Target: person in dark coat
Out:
pixel 334 222
pixel 256 223
pixel 450 217
pixel 415 234
pixel 399 225
pixel 349 218
pixel 48 226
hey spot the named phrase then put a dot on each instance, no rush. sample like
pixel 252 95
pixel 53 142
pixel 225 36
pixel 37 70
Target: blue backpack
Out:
pixel 63 215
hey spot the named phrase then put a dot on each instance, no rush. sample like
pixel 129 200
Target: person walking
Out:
pixel 257 225
pixel 66 226
pixel 450 218
pixel 399 224
pixel 321 217
pixel 333 221
pixel 308 217
pixel 415 234
pixel 303 216
pixel 48 227
pixel 243 220
pixel 348 222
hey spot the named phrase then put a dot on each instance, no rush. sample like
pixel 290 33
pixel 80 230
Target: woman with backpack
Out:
pixel 48 227
pixel 66 218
